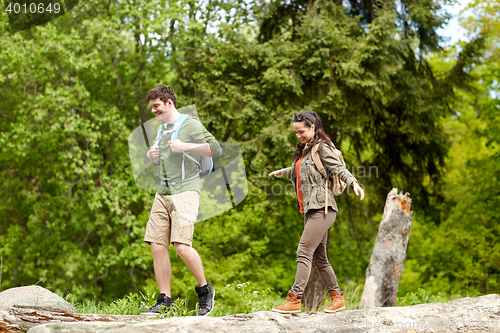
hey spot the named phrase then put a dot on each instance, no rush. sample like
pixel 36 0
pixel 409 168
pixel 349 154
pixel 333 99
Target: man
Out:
pixel 175 208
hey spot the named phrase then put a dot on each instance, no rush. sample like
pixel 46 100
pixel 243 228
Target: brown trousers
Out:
pixel 312 246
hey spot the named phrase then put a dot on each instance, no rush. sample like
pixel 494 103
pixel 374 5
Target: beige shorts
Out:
pixel 172 218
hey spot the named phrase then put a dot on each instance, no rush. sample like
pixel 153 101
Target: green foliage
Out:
pixel 131 304
pixel 422 296
pixel 241 298
pixel 72 218
pixel 463 253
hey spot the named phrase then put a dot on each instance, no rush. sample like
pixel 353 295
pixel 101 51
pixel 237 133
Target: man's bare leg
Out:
pixel 163 270
pixel 192 260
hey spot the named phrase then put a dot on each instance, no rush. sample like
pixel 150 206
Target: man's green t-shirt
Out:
pixel 192 130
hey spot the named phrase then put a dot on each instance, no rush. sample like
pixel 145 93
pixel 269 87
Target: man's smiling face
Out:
pixel 159 108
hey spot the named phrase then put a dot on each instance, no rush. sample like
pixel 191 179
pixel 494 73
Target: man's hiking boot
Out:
pixel 163 304
pixel 291 305
pixel 337 303
pixel 206 295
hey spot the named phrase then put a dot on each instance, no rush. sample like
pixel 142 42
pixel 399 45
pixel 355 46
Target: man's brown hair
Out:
pixel 164 93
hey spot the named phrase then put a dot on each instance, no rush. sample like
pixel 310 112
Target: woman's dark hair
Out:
pixel 309 118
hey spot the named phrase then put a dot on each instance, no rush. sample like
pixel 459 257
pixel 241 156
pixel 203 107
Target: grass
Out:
pixel 131 304
pixel 422 296
pixel 242 298
pixel 239 298
pixel 236 298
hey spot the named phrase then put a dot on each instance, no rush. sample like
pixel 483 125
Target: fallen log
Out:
pixel 20 318
pixel 480 314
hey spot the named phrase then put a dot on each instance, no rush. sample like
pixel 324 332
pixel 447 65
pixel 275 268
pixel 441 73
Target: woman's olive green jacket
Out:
pixel 313 182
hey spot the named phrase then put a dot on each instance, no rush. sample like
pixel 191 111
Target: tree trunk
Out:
pixel 389 253
pixel 314 294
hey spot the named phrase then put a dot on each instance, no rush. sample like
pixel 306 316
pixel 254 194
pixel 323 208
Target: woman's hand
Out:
pixel 358 190
pixel 278 173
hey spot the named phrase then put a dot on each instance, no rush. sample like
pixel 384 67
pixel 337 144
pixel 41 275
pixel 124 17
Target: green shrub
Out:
pixel 241 298
pixel 236 298
pixel 422 296
pixel 131 304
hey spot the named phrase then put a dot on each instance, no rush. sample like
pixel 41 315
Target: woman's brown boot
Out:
pixel 291 305
pixel 337 303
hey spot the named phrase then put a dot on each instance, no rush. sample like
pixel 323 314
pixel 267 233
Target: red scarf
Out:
pixel 300 197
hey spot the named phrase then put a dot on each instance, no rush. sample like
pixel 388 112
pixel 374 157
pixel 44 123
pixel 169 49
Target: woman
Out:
pixel 310 187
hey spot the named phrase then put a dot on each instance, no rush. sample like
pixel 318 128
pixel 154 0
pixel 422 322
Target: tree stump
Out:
pixel 389 253
pixel 314 294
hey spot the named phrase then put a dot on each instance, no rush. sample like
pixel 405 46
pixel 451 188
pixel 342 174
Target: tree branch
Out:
pixel 8 117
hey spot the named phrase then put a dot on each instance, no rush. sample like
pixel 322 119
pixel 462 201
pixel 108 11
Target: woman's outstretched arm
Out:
pixel 332 164
pixel 282 172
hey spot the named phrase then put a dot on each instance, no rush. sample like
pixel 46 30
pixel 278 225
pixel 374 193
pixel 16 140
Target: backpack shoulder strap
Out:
pixel 321 168
pixel 317 161
pixel 177 124
pixel 158 135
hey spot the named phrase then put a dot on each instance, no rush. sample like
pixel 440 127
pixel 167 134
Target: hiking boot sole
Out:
pixel 285 311
pixel 150 314
pixel 332 311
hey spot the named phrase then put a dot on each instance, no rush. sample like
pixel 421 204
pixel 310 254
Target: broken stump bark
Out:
pixel 314 294
pixel 389 253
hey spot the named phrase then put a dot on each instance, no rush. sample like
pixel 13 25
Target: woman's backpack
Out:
pixel 336 184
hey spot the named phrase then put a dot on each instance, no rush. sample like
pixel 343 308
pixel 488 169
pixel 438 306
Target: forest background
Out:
pixel 406 109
